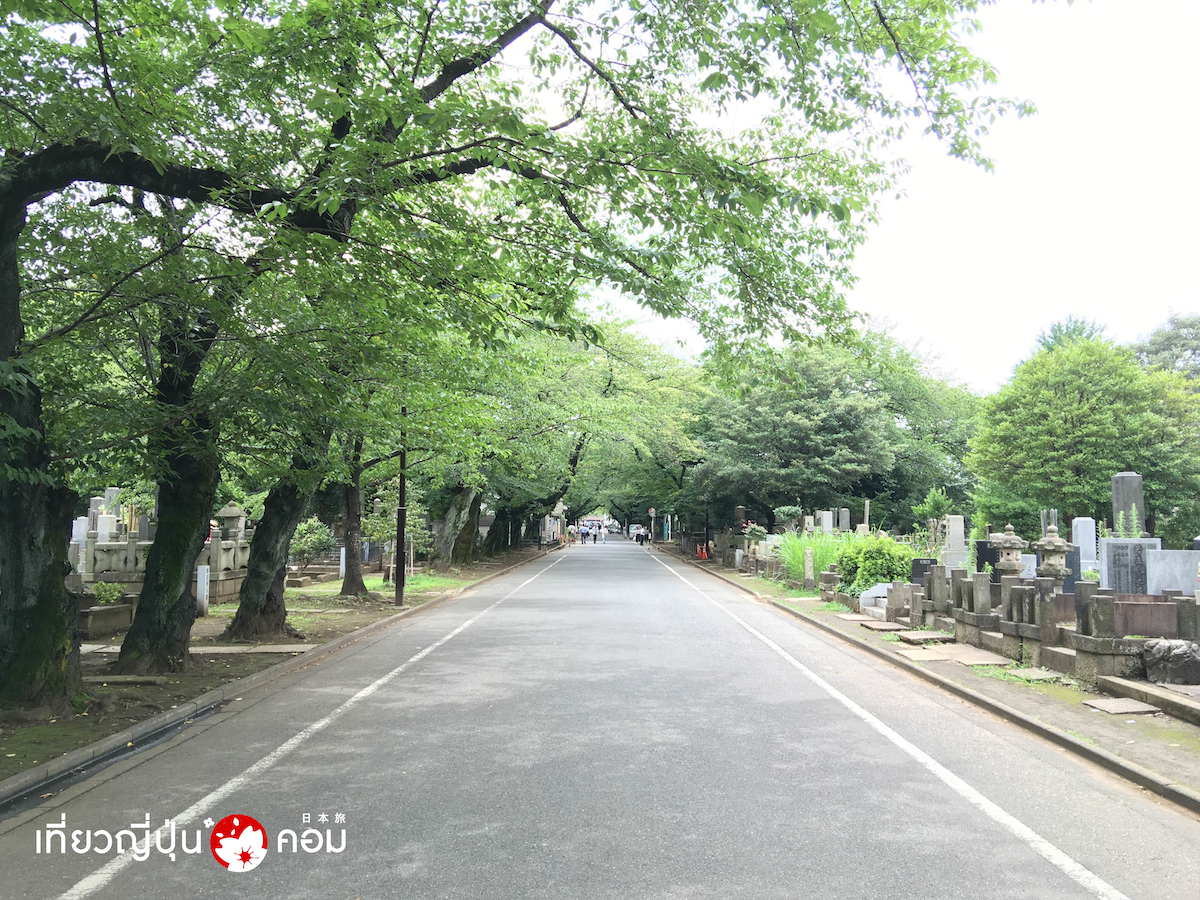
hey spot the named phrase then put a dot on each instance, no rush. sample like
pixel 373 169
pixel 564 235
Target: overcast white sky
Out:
pixel 1092 207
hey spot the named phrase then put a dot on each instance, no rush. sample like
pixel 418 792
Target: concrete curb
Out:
pixel 1176 793
pixel 30 780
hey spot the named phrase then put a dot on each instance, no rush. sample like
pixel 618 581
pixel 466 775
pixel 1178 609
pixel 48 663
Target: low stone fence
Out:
pixel 1088 633
pixel 124 563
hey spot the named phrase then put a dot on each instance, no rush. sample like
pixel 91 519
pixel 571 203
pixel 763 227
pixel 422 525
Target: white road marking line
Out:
pixel 1074 870
pixel 106 873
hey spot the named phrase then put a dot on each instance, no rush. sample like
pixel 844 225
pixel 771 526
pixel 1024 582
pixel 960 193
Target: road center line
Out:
pixel 1076 871
pixel 106 873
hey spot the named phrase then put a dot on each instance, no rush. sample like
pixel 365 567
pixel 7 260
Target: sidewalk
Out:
pixel 1158 742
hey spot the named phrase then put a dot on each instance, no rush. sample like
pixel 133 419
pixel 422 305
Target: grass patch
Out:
pixel 825 547
pixel 832 606
pixel 890 636
pixel 419 583
pixel 779 589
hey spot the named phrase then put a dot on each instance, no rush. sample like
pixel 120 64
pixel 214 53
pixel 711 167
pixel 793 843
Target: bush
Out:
pixel 870 560
pixel 107 594
pixel 312 538
pixel 756 532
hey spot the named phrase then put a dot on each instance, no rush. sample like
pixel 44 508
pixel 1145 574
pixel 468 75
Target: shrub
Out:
pixel 869 560
pixel 756 532
pixel 107 594
pixel 312 538
pixel 789 515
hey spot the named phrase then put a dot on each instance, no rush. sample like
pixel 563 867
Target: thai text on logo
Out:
pixel 238 842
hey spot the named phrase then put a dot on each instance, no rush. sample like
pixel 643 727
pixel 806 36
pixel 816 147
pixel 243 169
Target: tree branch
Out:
pixel 605 77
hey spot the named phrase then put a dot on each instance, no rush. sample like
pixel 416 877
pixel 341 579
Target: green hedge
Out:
pixel 866 562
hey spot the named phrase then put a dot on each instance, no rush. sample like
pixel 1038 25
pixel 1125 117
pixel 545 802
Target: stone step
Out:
pixel 993 641
pixel 875 612
pixel 1060 659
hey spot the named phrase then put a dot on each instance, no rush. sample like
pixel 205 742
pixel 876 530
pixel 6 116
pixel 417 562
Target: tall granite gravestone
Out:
pixel 825 520
pixel 954 554
pixel 106 528
pixel 1126 495
pixel 1083 536
pixel 95 509
pixel 843 519
pixel 1123 564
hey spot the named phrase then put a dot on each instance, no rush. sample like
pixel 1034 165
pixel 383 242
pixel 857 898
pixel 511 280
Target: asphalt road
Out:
pixel 609 723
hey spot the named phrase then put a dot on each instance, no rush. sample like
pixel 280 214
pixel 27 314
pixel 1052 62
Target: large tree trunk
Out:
pixel 353 584
pixel 261 612
pixel 39 647
pixel 39 643
pixel 456 539
pixel 506 523
pixel 162 625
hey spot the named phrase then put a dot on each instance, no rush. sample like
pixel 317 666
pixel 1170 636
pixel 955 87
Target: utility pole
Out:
pixel 402 513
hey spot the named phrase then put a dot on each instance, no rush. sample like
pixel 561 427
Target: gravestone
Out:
pixel 810 523
pixel 79 530
pixel 955 533
pixel 1126 494
pixel 1073 564
pixel 843 519
pixel 110 498
pixel 1083 536
pixel 825 521
pixel 987 555
pixel 1029 563
pixel 1172 570
pixel 106 528
pixel 919 567
pixel 143 528
pixel 810 572
pixel 862 528
pixel 1123 564
pixel 95 508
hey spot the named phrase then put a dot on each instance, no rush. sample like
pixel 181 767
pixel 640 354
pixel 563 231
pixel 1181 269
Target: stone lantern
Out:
pixel 1009 546
pixel 1054 550
pixel 232 520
